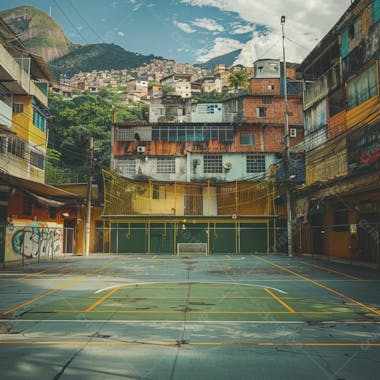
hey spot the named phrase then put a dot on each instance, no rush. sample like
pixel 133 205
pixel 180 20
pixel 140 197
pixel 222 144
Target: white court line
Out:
pixel 187 282
pixel 68 321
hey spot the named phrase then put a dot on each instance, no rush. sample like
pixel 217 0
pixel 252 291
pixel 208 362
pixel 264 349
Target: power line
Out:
pixel 69 20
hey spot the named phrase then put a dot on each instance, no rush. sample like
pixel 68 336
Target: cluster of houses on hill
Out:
pixel 211 172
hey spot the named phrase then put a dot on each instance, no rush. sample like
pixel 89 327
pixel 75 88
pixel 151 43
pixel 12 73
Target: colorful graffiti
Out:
pixel 37 239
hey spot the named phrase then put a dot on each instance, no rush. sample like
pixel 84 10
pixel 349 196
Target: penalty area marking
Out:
pixel 188 282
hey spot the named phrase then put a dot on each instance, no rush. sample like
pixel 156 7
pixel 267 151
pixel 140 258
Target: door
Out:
pixel 69 236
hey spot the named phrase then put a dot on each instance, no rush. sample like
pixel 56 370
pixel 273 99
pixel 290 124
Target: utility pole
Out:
pixel 89 196
pixel 286 149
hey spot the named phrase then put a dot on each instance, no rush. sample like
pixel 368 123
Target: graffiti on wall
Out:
pixel 37 239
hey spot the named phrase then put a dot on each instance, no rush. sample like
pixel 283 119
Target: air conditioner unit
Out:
pixel 293 132
pixel 140 149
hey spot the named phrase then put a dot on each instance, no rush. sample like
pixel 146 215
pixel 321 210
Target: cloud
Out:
pixel 80 27
pixel 208 23
pixel 121 34
pixel 306 22
pixel 184 27
pixel 221 46
pixel 242 29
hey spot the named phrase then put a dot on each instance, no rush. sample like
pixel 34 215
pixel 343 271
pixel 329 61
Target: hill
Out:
pixel 228 59
pixel 98 57
pixel 38 31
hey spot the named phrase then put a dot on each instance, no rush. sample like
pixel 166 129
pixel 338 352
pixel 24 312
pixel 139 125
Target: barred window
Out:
pixel 256 163
pixel 16 147
pixel 261 112
pixel 126 167
pixel 37 160
pixel 267 100
pixel 212 163
pixel 159 192
pixel 166 165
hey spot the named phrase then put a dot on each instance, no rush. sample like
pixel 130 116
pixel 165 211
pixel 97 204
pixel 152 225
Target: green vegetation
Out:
pixel 98 57
pixel 238 80
pixel 74 121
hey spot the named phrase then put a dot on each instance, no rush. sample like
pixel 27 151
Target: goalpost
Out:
pixel 192 249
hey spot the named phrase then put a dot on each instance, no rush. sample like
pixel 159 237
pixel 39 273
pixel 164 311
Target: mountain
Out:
pixel 38 31
pixel 98 57
pixel 228 59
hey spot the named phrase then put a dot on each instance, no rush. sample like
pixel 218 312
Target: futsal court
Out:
pixel 191 316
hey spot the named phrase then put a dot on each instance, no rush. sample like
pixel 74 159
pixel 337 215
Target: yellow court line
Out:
pixel 63 286
pixel 198 312
pixel 101 300
pixel 160 343
pixel 154 257
pixel 332 271
pixel 278 299
pixel 362 305
pixel 228 256
pixel 43 271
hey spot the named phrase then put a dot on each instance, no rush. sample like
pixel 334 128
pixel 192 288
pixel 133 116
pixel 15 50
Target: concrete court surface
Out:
pixel 165 317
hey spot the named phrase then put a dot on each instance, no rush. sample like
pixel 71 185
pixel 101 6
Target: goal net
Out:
pixel 192 249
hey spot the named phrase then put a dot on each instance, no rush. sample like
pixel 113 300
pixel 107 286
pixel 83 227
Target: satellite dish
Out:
pixel 227 165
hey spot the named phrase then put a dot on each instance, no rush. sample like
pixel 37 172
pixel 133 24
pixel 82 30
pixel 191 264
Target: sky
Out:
pixel 194 31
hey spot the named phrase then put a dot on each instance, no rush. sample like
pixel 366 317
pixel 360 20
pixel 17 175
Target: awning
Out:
pixel 42 193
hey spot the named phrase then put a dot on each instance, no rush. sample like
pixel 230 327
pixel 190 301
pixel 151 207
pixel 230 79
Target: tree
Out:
pixel 238 80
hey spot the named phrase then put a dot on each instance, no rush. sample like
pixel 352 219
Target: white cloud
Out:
pixel 242 29
pixel 80 27
pixel 209 24
pixel 221 46
pixel 184 27
pixel 121 34
pixel 306 22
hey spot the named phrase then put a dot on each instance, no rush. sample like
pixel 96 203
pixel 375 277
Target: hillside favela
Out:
pixel 190 189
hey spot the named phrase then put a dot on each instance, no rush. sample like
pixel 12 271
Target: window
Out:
pixel 246 139
pixel 212 164
pixel 256 163
pixel 267 100
pixel 39 120
pixel 166 165
pixel 271 87
pixel 261 112
pixel 362 87
pixel 16 147
pixel 159 192
pixel 341 222
pixel 18 108
pixel 37 160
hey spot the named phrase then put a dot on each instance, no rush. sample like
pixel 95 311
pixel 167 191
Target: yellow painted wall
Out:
pixel 23 123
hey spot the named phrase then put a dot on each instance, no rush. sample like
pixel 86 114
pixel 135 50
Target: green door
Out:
pixel 162 238
pixel 222 238
pixel 253 237
pixel 129 238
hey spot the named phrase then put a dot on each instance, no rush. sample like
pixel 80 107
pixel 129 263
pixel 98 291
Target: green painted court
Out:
pixel 204 317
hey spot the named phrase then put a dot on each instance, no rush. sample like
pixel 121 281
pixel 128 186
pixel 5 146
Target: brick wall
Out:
pixel 274 111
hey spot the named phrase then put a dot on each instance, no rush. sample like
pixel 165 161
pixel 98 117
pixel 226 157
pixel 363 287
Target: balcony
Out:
pixel 319 89
pixel 14 76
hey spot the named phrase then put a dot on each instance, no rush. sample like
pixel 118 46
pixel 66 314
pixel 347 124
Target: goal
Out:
pixel 192 249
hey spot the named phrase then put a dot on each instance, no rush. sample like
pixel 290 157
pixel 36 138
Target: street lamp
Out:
pixel 286 148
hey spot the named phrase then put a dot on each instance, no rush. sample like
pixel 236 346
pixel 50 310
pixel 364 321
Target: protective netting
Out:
pixel 127 197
